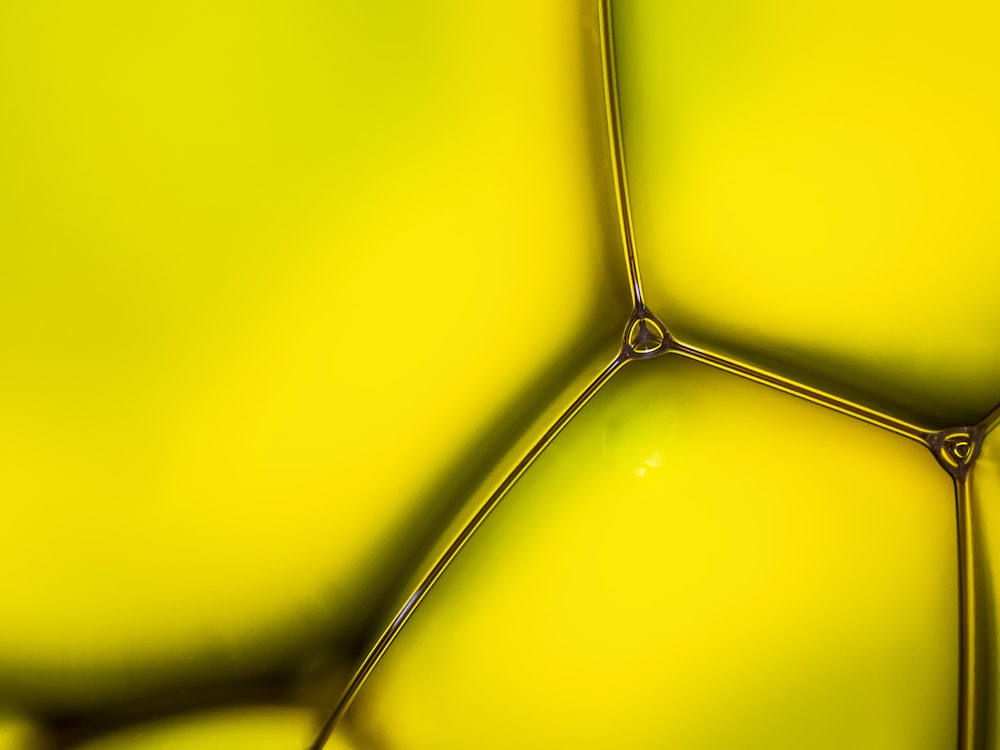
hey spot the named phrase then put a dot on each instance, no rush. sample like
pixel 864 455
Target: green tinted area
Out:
pixel 278 283
pixel 813 190
pixel 986 555
pixel 696 562
pixel 251 728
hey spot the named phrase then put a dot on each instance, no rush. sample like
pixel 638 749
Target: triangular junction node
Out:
pixel 956 449
pixel 645 336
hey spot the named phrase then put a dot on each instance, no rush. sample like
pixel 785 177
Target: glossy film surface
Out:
pixel 696 561
pixel 269 271
pixel 316 341
pixel 813 190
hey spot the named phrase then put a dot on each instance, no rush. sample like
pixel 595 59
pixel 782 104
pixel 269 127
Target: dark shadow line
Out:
pixel 617 145
pixel 70 730
pixel 419 535
pixel 990 422
pixel 806 393
pixel 639 310
pixel 967 650
pixel 977 624
pixel 431 577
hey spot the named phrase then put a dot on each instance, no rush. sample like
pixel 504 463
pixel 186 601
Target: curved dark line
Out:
pixel 618 154
pixel 822 398
pixel 420 592
pixel 968 678
pixel 990 421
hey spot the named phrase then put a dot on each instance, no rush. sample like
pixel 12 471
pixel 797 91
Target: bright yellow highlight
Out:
pixel 266 272
pixel 696 562
pixel 255 728
pixel 814 189
pixel 17 733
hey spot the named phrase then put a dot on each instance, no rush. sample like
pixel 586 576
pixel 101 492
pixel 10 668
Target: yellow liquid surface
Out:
pixel 252 728
pixel 286 289
pixel 696 562
pixel 814 189
pixel 271 284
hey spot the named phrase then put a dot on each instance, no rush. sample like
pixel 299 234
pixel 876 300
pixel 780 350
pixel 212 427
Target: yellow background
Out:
pixel 813 190
pixel 277 284
pixel 283 286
